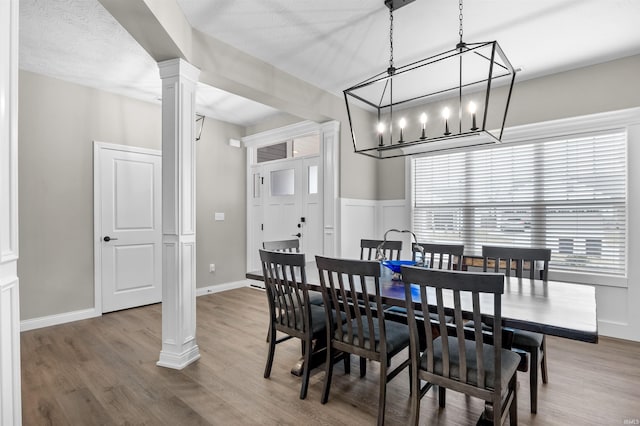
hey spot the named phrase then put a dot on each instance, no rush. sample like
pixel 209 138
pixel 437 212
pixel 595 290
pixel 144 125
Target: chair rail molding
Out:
pixel 10 386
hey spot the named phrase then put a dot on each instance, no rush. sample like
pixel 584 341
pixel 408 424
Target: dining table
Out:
pixel 555 308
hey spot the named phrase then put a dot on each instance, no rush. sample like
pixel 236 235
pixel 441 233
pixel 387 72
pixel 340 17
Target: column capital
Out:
pixel 178 67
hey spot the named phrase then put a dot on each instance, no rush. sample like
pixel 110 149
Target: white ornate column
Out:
pixel 10 394
pixel 179 347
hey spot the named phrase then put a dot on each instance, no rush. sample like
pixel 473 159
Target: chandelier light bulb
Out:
pixel 423 120
pixel 472 110
pixel 445 114
pixel 402 123
pixel 380 128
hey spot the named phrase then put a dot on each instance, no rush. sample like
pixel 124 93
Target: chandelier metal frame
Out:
pixel 373 105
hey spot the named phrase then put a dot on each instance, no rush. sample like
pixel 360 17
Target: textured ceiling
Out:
pixel 80 42
pixel 330 43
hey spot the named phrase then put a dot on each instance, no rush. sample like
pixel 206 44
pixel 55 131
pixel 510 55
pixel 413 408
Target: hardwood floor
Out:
pixel 102 371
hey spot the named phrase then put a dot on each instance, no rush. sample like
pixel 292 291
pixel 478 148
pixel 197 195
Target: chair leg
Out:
pixel 271 338
pixel 442 396
pixel 382 398
pixel 543 363
pixel 306 370
pixel 328 372
pixel 363 367
pixel 497 411
pixel 533 380
pixel 415 397
pixel 513 410
pixel 347 363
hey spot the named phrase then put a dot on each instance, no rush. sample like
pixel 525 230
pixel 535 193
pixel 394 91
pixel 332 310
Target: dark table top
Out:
pixel 550 307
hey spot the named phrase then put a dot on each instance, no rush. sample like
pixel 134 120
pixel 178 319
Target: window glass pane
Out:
pixel 306 145
pixel 567 194
pixel 272 152
pixel 313 179
pixel 297 147
pixel 283 182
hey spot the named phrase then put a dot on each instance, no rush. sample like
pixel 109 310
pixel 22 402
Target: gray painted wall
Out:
pixel 604 87
pixel 58 123
pixel 220 187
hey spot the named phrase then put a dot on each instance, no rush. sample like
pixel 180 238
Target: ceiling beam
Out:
pixel 161 28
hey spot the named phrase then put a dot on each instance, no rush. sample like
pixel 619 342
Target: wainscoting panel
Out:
pixel 370 219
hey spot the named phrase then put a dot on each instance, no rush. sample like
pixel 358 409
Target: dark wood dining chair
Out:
pixel 365 333
pixel 454 359
pixel 289 309
pixel 390 249
pixel 439 256
pixel 512 261
pixel 289 246
pixel 292 246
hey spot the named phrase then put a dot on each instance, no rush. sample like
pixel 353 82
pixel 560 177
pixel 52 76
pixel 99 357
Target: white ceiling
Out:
pixel 330 43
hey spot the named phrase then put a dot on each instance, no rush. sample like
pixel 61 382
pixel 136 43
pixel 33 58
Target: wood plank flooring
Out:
pixel 102 371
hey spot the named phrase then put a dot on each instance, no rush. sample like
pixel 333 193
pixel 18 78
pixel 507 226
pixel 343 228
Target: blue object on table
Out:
pixel 394 265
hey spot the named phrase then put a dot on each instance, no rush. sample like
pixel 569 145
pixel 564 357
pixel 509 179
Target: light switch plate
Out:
pixel 219 216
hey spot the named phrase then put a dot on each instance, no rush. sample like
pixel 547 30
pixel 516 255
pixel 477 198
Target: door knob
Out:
pixel 108 238
pixel 297 235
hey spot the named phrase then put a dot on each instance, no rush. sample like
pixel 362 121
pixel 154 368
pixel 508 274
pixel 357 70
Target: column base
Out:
pixel 178 361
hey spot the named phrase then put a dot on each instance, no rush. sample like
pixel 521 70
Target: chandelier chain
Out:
pixel 390 37
pixel 460 18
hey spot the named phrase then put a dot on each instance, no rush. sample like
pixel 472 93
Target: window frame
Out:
pixel 553 130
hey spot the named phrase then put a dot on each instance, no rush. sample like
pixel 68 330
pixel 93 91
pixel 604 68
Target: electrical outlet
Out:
pixel 212 267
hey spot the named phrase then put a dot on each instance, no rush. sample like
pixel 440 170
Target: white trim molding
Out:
pixel 10 385
pixel 66 317
pixel 203 291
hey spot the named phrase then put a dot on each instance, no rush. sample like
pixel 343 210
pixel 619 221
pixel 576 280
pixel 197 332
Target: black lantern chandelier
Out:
pixel 450 101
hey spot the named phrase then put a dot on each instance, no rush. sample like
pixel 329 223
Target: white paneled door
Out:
pixel 128 184
pixel 286 203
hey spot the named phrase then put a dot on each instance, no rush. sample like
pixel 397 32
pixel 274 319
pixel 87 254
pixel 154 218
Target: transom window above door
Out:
pixel 300 146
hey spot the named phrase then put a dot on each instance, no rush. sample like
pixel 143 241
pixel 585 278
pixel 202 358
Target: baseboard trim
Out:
pixel 57 319
pixel 203 291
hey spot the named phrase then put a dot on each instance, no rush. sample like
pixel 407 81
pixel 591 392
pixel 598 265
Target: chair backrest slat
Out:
pixel 390 249
pixel 515 258
pixel 439 256
pixel 478 331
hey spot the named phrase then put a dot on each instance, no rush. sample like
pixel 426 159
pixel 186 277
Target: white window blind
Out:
pixel 567 194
